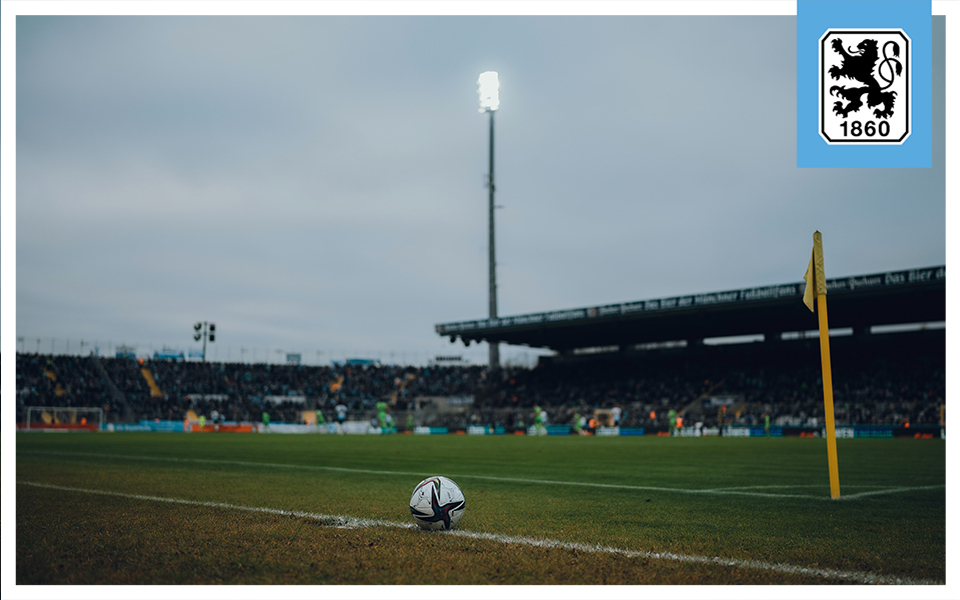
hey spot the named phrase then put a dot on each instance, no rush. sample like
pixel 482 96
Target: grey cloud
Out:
pixel 318 181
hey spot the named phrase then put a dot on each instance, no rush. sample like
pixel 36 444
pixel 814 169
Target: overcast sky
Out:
pixel 317 183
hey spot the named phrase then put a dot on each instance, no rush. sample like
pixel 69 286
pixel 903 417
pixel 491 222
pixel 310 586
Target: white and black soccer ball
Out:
pixel 437 503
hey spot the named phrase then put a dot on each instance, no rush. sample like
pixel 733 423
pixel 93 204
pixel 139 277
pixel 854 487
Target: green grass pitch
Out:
pixel 154 508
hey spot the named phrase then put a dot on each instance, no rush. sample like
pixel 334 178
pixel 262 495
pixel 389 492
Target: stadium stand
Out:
pixel 647 357
pixel 858 302
pixel 891 379
pixel 76 382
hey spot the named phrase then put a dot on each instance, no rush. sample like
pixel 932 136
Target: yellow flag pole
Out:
pixel 821 291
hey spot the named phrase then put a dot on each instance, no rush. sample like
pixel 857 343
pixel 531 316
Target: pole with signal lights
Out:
pixel 204 331
pixel 489 90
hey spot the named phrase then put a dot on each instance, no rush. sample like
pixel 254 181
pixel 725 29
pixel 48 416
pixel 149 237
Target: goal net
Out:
pixel 66 418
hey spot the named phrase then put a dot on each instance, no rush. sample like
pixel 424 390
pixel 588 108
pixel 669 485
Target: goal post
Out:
pixel 64 418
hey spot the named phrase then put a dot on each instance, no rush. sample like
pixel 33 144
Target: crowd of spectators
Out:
pixel 237 391
pixel 890 380
pixel 69 381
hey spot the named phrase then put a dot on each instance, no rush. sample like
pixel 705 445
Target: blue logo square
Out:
pixel 846 112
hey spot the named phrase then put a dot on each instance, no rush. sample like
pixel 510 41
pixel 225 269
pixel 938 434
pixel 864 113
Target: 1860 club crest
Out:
pixel 865 86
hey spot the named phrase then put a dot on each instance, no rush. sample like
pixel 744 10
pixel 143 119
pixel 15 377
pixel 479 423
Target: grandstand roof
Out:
pixel 897 297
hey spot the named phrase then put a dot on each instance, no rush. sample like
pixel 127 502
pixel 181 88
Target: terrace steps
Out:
pixel 155 391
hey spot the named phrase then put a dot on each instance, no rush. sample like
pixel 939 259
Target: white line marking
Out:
pixel 890 491
pixel 351 522
pixel 767 487
pixel 737 491
pixel 330 520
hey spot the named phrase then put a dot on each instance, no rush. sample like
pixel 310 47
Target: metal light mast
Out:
pixel 205 331
pixel 489 91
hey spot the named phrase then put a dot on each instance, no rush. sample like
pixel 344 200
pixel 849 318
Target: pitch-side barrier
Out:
pixel 368 428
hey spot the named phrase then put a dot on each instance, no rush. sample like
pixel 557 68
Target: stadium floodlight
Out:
pixel 205 331
pixel 489 91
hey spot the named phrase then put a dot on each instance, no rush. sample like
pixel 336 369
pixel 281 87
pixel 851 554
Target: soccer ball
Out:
pixel 437 503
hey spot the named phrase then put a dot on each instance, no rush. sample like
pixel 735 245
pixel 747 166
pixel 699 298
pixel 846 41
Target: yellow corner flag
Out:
pixel 816 280
pixel 809 291
pixel 817 286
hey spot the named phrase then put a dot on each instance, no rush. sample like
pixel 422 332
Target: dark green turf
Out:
pixel 70 537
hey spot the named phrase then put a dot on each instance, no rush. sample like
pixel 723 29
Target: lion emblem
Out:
pixel 859 66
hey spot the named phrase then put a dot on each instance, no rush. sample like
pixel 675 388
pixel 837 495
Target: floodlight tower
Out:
pixel 489 91
pixel 205 331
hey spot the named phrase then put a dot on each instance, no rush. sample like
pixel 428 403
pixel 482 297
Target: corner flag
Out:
pixel 817 286
pixel 809 291
pixel 816 280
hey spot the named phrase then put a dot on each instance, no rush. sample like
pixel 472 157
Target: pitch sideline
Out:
pixel 352 522
pixel 738 491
